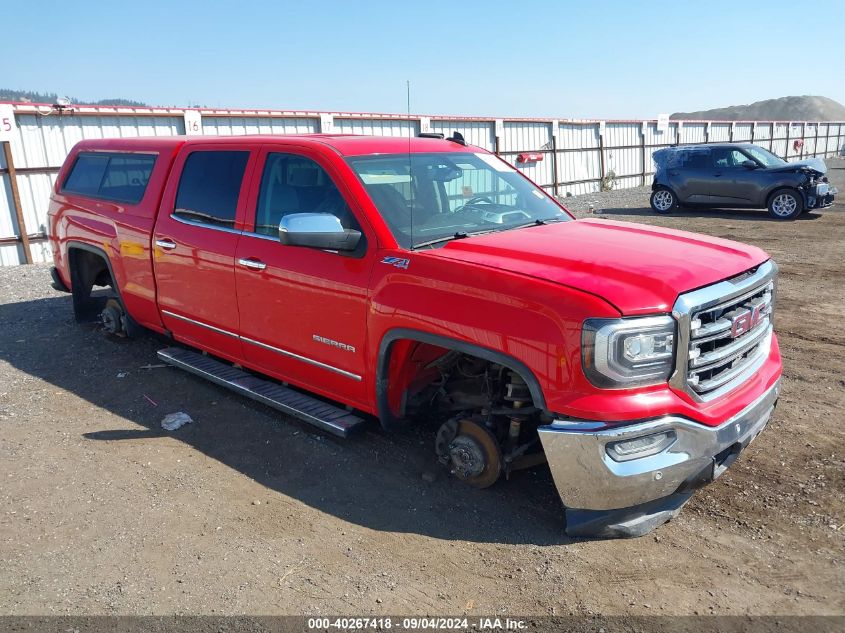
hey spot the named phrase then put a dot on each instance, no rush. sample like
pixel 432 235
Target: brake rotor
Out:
pixel 112 318
pixel 473 454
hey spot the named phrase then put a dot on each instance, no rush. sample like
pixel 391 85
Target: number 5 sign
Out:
pixel 7 122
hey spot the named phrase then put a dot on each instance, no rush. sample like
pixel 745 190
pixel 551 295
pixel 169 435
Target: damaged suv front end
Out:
pixel 812 181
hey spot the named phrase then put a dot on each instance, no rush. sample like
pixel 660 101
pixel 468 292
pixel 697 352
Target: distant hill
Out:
pixel 50 97
pixel 804 108
pixel 27 96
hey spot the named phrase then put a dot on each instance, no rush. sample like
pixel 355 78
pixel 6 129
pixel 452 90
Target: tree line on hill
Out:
pixel 30 96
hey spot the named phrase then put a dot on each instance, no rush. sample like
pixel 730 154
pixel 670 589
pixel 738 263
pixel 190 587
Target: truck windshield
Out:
pixel 764 156
pixel 428 198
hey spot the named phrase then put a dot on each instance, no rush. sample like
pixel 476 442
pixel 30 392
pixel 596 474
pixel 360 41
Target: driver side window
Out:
pixel 726 158
pixel 296 184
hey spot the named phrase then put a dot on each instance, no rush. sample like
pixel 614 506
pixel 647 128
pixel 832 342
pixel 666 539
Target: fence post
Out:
pixel 803 138
pixel 772 136
pixel 16 201
pixel 643 126
pixel 554 165
pixel 602 173
pixel 827 140
pixel 499 131
pixel 788 131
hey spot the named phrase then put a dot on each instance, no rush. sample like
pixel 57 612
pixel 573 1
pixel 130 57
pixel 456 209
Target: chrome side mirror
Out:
pixel 317 230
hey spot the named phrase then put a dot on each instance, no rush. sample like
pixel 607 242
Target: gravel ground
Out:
pixel 245 511
pixel 635 198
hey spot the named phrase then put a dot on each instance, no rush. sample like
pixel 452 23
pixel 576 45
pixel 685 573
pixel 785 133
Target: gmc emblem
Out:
pixel 746 320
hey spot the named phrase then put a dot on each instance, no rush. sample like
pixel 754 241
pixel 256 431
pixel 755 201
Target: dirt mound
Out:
pixel 804 108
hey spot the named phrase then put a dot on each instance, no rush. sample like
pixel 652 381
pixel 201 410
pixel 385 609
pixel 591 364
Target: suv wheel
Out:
pixel 785 204
pixel 663 200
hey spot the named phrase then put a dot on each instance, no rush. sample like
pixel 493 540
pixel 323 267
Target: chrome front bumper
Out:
pixel 587 478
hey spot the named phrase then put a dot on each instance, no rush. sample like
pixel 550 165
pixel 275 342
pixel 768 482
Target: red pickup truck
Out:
pixel 427 282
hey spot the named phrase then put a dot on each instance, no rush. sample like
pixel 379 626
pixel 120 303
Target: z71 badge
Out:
pixel 399 262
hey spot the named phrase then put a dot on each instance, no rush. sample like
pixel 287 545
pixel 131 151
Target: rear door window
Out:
pixel 111 176
pixel 696 158
pixel 210 186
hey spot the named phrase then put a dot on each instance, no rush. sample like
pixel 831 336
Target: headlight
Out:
pixel 628 352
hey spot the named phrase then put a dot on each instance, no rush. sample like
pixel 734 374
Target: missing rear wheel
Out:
pixel 113 318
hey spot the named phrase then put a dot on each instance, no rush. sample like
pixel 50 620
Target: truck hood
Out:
pixel 639 269
pixel 811 164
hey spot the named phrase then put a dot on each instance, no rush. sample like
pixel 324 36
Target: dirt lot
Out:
pixel 247 512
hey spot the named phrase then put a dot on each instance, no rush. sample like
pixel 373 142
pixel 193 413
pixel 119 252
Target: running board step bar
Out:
pixel 324 416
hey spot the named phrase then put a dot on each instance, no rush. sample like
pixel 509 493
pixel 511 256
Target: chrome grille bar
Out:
pixel 737 370
pixel 724 332
pixel 737 347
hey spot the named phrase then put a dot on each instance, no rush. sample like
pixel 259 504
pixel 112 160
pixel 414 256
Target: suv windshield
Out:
pixel 426 198
pixel 764 156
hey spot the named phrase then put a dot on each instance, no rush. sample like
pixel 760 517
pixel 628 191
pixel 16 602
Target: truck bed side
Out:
pixel 93 229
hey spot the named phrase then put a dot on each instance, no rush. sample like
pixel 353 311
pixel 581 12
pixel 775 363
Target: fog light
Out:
pixel 643 446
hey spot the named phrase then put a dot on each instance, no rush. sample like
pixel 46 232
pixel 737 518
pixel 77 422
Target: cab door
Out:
pixel 194 245
pixel 303 311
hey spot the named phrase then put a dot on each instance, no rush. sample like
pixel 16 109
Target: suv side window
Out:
pixel 210 186
pixel 728 158
pixel 697 158
pixel 296 184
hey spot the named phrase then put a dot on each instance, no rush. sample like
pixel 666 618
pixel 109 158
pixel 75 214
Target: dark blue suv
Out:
pixel 738 175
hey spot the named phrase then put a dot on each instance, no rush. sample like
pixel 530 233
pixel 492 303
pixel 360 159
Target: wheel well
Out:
pixel 88 268
pixel 658 187
pixel 784 188
pixel 411 362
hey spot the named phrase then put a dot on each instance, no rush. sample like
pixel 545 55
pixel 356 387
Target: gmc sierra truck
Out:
pixel 426 282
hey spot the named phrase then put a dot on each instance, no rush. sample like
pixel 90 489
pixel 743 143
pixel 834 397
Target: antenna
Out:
pixel 410 164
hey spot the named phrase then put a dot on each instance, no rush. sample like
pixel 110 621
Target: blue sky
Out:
pixel 609 59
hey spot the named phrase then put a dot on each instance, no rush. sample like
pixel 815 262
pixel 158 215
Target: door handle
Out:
pixel 166 244
pixel 254 264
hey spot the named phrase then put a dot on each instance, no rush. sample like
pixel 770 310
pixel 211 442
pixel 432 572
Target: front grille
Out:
pixel 726 329
pixel 719 350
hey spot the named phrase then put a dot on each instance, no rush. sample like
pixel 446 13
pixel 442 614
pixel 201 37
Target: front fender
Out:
pixel 784 181
pixel 530 325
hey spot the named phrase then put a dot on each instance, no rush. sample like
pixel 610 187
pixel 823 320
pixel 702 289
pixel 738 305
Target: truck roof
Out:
pixel 345 144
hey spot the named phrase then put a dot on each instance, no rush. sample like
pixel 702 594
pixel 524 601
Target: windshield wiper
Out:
pixel 458 235
pixel 537 222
